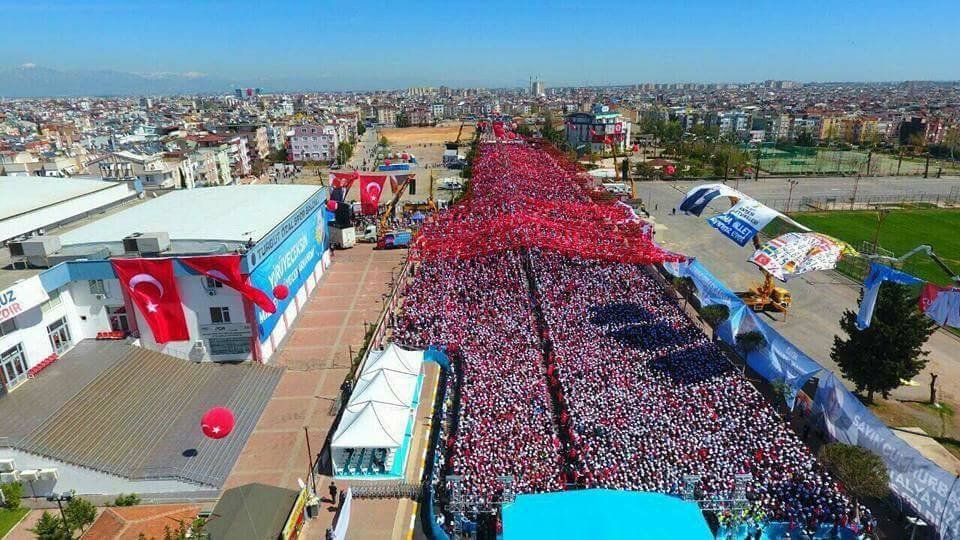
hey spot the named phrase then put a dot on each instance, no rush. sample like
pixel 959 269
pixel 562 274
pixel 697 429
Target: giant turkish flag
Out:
pixel 226 270
pixel 343 180
pixel 153 289
pixel 371 186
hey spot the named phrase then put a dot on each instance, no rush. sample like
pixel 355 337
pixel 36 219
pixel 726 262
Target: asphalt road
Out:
pixel 819 299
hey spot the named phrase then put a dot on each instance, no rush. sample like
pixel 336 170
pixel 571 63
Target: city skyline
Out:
pixel 341 46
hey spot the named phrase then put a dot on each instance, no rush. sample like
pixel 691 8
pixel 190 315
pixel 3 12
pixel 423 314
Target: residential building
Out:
pixel 595 128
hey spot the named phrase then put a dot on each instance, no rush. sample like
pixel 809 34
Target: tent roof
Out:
pixel 384 386
pixel 252 511
pixel 372 425
pixel 395 359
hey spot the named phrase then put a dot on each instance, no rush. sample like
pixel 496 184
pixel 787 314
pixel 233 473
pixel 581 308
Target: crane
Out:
pixel 928 251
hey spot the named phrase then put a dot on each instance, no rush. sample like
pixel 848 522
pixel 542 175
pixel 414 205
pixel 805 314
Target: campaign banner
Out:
pixel 697 199
pixel 743 221
pixel 792 254
pixel 289 264
pixel 932 492
pixel 871 288
pixel 21 297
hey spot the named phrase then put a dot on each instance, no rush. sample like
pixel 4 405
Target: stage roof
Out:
pixel 603 514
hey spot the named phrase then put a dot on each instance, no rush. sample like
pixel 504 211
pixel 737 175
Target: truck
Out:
pixel 395 239
pixel 342 238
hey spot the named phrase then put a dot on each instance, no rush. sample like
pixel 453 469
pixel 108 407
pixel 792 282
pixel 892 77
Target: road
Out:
pixel 819 299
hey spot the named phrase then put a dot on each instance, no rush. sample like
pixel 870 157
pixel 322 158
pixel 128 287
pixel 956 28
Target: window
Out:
pixel 210 283
pixel 219 315
pixel 13 367
pixel 97 286
pixel 51 302
pixel 7 327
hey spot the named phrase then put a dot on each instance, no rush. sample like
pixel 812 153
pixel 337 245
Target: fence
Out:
pixel 391 490
pixel 795 205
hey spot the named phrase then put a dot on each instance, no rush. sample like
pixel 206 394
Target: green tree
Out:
pixel 524 129
pixel 344 152
pixel 361 129
pixel 126 500
pixel 714 314
pixel 12 493
pixel 50 527
pixel 402 120
pixel 684 287
pixel 750 341
pixel 952 141
pixel 552 134
pixel 644 170
pixel 384 142
pixel 804 138
pixel 79 513
pixel 862 472
pixel 877 358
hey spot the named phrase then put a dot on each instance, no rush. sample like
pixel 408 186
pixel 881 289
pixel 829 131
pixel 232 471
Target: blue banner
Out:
pixel 931 491
pixel 733 228
pixel 289 264
pixel 871 288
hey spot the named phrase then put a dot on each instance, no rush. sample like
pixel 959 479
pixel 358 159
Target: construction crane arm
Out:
pixel 928 251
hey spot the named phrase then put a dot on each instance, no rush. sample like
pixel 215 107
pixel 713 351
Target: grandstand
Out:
pixel 112 417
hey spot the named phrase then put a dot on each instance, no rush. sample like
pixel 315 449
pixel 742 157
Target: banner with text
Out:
pixel 743 221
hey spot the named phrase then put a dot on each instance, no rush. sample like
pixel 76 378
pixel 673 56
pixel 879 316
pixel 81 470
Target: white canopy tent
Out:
pixel 374 423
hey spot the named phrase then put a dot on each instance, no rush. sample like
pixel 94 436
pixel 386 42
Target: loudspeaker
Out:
pixel 343 215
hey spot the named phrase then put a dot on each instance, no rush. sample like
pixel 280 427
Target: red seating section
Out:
pixel 32 372
pixel 111 335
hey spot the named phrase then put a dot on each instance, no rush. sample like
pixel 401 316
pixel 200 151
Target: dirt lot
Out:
pixel 400 137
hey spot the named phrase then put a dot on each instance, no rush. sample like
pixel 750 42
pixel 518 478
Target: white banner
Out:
pixel 20 297
pixel 343 518
pixel 792 254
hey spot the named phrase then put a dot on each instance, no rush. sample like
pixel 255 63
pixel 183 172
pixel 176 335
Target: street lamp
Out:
pixel 60 498
pixel 793 182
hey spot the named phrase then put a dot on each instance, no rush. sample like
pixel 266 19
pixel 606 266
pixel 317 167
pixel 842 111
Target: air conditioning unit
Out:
pixel 35 246
pixel 30 475
pixel 50 475
pixel 9 477
pixel 7 465
pixel 147 243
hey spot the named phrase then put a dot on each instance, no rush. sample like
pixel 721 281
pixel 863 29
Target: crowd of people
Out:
pixel 579 370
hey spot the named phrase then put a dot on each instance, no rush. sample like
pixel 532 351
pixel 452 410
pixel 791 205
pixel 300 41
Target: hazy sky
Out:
pixel 364 44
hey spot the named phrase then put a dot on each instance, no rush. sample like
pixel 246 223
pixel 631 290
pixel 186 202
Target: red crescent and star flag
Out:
pixel 343 179
pixel 152 287
pixel 226 270
pixel 371 187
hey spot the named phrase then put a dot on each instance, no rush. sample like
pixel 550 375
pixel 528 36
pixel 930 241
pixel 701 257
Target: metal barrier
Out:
pixel 397 490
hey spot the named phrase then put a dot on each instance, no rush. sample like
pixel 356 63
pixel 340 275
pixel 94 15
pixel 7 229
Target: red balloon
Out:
pixel 281 291
pixel 670 169
pixel 386 162
pixel 332 205
pixel 217 423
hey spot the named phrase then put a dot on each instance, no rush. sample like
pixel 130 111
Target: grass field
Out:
pixel 826 161
pixel 902 231
pixel 9 518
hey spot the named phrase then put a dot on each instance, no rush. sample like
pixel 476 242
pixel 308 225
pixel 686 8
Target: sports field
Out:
pixel 825 161
pixel 902 231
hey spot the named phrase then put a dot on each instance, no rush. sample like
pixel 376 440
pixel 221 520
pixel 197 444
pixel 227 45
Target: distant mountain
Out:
pixel 36 81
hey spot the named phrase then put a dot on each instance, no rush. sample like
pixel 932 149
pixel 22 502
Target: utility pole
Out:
pixel 899 161
pixel 869 157
pixel 856 185
pixel 756 170
pixel 793 182
pixel 881 216
pixel 926 167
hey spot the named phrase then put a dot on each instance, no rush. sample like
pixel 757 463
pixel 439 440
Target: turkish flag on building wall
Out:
pixel 371 186
pixel 226 270
pixel 152 287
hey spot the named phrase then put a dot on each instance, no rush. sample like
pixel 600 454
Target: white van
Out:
pixel 618 188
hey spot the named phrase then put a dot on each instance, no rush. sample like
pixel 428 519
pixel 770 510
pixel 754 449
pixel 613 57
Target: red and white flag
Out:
pixel 343 180
pixel 226 270
pixel 152 287
pixel 371 187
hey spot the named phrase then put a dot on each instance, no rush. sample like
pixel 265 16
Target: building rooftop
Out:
pixel 150 521
pixel 135 413
pixel 33 192
pixel 214 214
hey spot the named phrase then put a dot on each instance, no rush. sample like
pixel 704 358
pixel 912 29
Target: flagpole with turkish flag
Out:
pixel 371 187
pixel 152 287
pixel 226 270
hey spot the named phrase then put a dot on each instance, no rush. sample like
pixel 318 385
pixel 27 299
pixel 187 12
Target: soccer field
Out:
pixel 902 231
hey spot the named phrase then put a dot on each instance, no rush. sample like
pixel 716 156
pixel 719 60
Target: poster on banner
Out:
pixel 290 264
pixel 743 221
pixel 792 254
pixel 697 199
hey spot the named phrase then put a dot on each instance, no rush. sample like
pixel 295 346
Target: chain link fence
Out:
pixel 793 205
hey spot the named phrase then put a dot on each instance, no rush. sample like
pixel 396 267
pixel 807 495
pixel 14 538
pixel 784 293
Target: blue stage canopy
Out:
pixel 603 514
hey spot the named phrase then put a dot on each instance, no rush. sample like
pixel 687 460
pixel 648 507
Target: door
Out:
pixel 59 333
pixel 118 319
pixel 13 367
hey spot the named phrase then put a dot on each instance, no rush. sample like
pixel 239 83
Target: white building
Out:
pixel 63 288
pixel 313 142
pixel 595 128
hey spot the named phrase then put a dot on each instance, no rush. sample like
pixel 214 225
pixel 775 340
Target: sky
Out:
pixel 367 45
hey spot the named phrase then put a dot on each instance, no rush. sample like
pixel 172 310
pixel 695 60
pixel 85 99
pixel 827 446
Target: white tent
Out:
pixel 375 420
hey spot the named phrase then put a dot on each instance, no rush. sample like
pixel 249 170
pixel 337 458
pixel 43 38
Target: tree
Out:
pixel 552 134
pixel 524 130
pixel 889 351
pixel 344 152
pixel 50 527
pixel 384 142
pixel 750 341
pixel 644 170
pixel 684 287
pixel 714 314
pixel 804 138
pixel 12 493
pixel 862 472
pixel 952 141
pixel 79 513
pixel 402 120
pixel 127 500
pixel 361 129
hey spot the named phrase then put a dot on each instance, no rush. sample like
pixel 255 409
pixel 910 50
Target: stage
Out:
pixel 603 514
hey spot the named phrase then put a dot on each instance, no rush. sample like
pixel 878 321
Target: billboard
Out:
pixel 289 264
